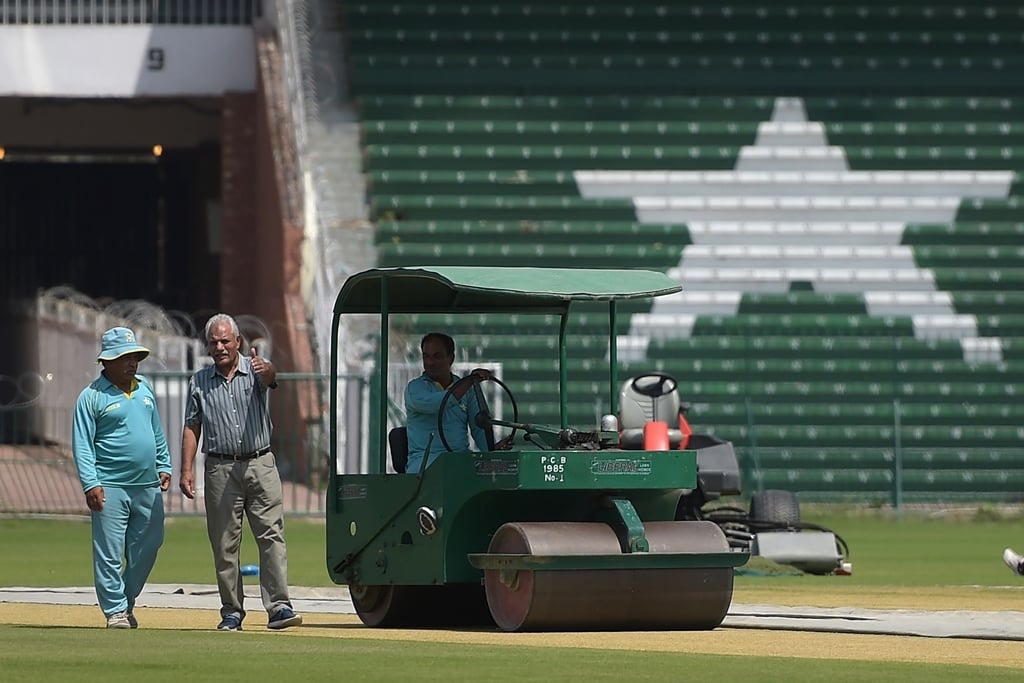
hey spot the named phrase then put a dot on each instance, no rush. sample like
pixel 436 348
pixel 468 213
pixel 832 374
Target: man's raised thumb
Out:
pixel 252 351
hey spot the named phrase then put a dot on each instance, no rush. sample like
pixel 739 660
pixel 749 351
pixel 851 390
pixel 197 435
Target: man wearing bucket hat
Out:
pixel 124 464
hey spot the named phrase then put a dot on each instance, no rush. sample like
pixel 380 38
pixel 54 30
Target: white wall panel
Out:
pixel 125 61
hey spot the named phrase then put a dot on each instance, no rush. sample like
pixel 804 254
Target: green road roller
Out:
pixel 554 527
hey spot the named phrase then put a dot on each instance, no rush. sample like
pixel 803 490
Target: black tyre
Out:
pixel 776 506
pixel 391 606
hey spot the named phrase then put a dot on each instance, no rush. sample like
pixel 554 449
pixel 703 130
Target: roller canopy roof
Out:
pixel 470 289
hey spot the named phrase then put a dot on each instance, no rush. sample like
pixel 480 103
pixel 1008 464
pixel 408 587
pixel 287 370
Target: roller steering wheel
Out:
pixel 654 384
pixel 482 419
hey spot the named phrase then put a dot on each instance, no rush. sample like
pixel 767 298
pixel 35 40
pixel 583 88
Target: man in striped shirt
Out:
pixel 227 406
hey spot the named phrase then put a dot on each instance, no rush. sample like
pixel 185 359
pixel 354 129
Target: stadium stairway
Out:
pixel 837 188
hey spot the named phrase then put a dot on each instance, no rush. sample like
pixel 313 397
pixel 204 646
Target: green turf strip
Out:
pixel 32 653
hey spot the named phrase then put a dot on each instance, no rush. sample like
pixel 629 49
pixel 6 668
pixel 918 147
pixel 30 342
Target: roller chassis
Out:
pixel 565 530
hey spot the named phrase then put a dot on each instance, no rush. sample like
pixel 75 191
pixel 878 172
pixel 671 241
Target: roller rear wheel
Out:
pixel 385 605
pixel 390 606
pixel 609 599
pixel 777 506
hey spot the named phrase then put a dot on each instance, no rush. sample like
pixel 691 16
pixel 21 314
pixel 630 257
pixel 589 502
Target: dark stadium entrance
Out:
pixel 107 226
pixel 108 200
pixel 87 183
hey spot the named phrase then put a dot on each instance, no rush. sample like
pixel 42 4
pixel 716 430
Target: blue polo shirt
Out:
pixel 422 401
pixel 117 438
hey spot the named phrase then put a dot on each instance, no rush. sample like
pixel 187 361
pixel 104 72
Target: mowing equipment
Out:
pixel 571 528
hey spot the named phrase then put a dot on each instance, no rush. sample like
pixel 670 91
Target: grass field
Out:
pixel 921 549
pixel 184 558
pixel 79 654
pixel 943 561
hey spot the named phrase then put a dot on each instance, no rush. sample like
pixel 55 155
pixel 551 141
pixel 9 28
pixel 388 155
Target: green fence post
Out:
pixel 752 440
pixel 897 460
pixel 373 439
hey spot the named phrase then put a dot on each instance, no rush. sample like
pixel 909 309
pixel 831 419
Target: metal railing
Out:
pixel 107 12
pixel 38 475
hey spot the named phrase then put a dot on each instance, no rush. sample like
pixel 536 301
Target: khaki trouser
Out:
pixel 253 488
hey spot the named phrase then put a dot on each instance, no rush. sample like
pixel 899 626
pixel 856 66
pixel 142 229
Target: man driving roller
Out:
pixel 423 397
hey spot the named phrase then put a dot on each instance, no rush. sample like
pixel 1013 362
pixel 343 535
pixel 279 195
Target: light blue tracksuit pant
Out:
pixel 126 536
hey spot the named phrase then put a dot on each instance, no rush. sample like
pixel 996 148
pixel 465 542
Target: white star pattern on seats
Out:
pixel 793 211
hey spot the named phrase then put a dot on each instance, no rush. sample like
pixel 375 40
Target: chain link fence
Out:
pixel 38 475
pixel 37 470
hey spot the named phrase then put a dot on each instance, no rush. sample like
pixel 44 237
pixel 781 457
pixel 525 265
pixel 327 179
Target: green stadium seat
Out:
pixel 796 458
pixel 914 108
pixel 499 207
pixel 526 255
pixel 790 346
pixel 530 231
pixel 982 303
pixel 804 324
pixel 952 458
pixel 555 132
pixel 966 481
pixel 762 43
pixel 978 279
pixel 964 233
pixel 831 480
pixel 450 182
pixel 550 157
pixel 925 133
pixel 493 106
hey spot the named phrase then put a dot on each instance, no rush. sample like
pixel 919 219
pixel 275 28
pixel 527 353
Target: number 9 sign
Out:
pixel 155 59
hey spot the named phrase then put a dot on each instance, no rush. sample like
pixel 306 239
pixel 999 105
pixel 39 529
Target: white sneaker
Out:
pixel 1014 561
pixel 118 620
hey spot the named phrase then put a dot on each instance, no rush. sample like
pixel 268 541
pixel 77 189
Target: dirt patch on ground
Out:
pixel 728 641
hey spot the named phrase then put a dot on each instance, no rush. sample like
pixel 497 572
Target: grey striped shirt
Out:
pixel 234 415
